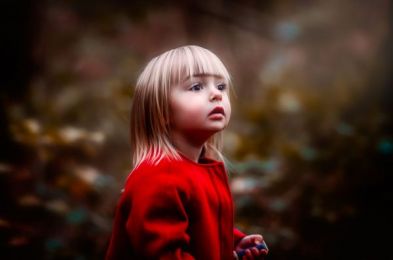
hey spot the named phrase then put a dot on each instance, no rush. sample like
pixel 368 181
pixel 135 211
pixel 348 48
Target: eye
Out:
pixel 222 86
pixel 196 87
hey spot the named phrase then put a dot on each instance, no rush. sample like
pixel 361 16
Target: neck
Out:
pixel 192 150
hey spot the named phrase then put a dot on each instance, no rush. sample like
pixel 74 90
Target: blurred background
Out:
pixel 310 142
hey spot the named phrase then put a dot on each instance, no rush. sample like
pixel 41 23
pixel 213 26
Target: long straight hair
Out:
pixel 150 116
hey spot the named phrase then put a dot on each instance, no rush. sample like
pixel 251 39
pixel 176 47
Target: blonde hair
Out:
pixel 149 122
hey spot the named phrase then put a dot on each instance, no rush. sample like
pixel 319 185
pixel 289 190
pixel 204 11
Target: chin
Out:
pixel 217 128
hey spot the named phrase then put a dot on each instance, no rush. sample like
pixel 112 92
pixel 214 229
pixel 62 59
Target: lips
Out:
pixel 217 110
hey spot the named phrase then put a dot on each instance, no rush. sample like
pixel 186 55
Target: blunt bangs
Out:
pixel 185 62
pixel 177 65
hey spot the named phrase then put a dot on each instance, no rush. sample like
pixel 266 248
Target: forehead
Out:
pixel 191 63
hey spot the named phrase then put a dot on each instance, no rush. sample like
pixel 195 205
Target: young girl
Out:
pixel 176 202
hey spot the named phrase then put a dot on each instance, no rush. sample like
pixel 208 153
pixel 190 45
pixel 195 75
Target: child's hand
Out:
pixel 247 244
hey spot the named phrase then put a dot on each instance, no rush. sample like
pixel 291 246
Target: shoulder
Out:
pixel 165 167
pixel 167 173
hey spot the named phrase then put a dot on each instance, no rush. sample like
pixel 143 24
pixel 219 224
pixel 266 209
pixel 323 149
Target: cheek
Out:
pixel 191 105
pixel 228 109
pixel 185 111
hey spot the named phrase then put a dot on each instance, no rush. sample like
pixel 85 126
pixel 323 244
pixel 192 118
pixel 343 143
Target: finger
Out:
pixel 257 239
pixel 255 251
pixel 248 253
pixel 263 252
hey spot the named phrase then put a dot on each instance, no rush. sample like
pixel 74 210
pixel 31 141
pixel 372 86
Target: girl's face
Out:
pixel 200 107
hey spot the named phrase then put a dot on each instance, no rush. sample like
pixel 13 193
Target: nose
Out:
pixel 216 94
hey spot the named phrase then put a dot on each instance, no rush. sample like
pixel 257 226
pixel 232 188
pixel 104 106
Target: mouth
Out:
pixel 217 110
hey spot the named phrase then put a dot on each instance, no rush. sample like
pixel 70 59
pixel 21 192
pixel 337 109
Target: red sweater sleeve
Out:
pixel 157 220
pixel 237 236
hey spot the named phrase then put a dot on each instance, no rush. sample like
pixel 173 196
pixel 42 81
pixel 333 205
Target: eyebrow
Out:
pixel 200 75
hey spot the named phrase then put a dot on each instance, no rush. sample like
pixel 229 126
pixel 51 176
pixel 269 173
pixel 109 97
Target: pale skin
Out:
pixel 200 107
pixel 191 102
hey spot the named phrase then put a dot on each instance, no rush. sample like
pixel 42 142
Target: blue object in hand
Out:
pixel 242 252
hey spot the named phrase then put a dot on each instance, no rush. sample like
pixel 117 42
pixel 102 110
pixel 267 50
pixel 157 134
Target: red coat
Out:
pixel 175 210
